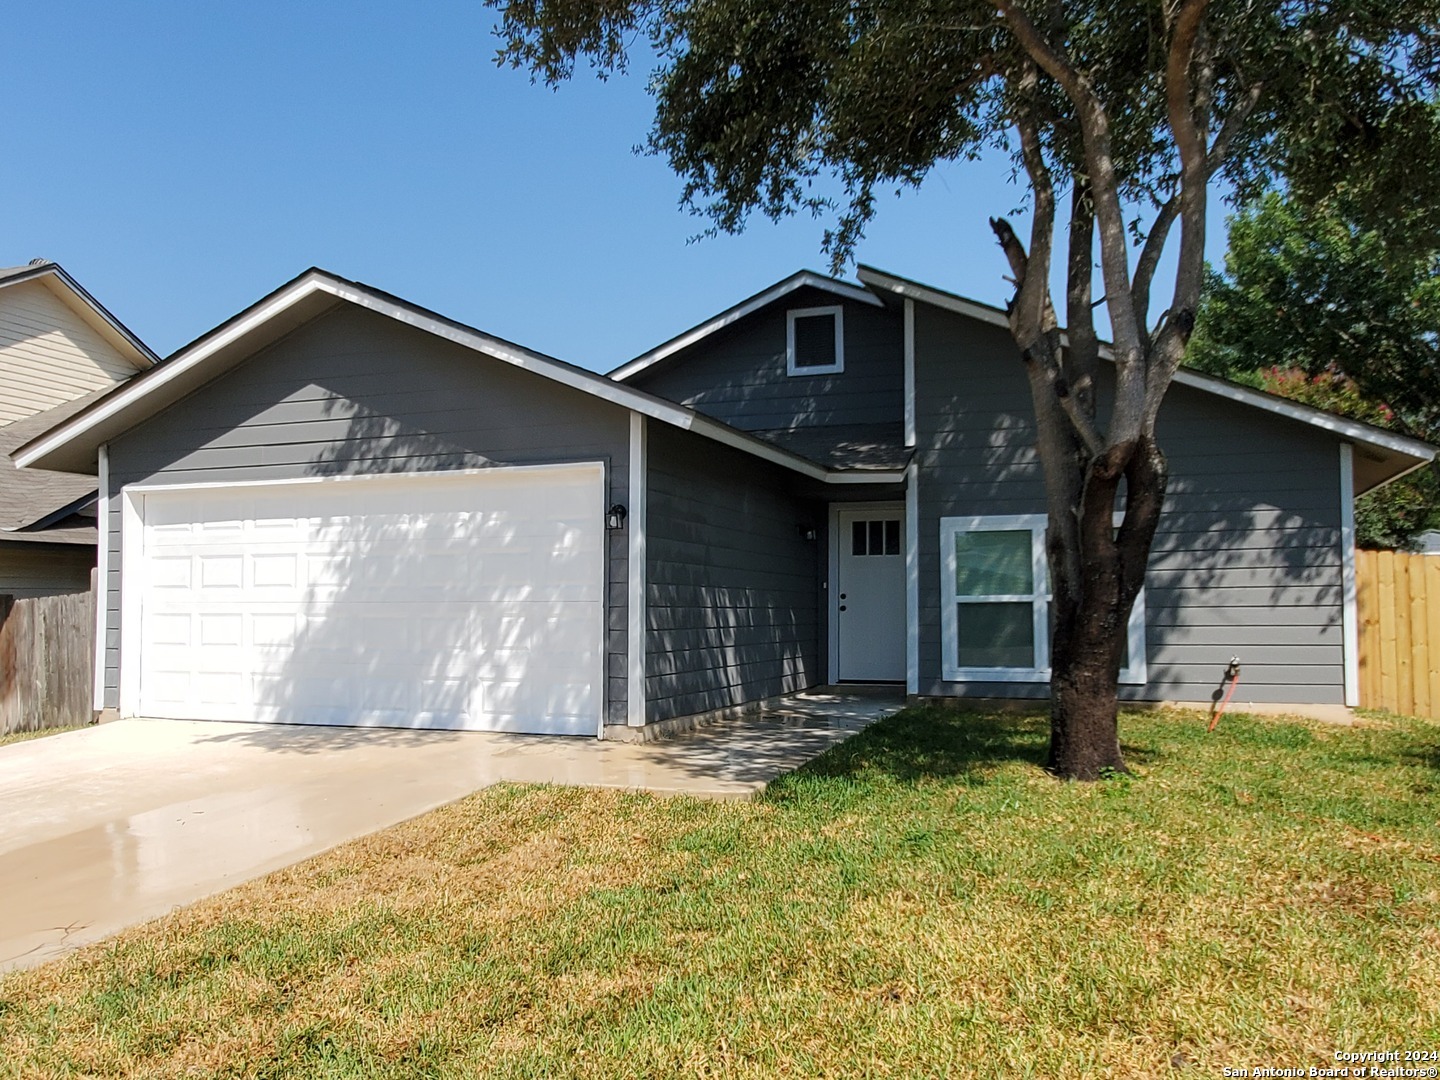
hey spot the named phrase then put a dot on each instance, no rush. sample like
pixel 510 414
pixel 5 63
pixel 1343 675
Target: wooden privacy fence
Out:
pixel 1399 608
pixel 47 658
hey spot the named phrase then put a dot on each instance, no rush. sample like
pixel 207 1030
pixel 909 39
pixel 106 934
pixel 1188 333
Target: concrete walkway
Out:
pixel 114 825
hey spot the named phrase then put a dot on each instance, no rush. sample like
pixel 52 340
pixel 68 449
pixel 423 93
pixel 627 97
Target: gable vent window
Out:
pixel 815 341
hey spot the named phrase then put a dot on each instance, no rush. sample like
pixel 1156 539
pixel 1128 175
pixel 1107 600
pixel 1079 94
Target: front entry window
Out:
pixel 995 602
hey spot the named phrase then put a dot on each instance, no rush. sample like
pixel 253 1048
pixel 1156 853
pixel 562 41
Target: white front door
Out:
pixel 867 598
pixel 445 600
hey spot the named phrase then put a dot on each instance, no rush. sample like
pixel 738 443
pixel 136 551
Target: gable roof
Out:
pixel 1386 455
pixel 73 444
pixel 70 291
pixel 799 280
pixel 34 502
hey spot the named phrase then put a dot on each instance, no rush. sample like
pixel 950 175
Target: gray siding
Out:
pixel 1247 560
pixel 356 392
pixel 732 588
pixel 36 570
pixel 738 374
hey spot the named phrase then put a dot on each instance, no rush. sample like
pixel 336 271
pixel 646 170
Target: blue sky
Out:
pixel 181 160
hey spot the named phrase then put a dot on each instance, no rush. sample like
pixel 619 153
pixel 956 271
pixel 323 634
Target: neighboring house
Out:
pixel 338 507
pixel 59 350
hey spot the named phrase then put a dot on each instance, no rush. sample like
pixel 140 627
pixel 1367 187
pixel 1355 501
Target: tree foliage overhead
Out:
pixel 772 106
pixel 1316 306
pixel 758 99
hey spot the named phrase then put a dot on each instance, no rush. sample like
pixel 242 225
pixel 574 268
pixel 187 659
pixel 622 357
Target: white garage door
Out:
pixel 463 600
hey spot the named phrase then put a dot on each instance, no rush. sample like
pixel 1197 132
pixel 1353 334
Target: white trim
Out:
pixel 832 572
pixel 909 372
pixel 739 311
pixel 1350 613
pixel 1136 673
pixel 1337 425
pixel 132 555
pixel 102 572
pixel 635 609
pixel 912 579
pixel 879 279
pixel 1305 414
pixel 837 312
pixel 320 282
pixel 832 579
pixel 132 589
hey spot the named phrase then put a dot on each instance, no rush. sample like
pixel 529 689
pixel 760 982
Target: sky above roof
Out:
pixel 182 160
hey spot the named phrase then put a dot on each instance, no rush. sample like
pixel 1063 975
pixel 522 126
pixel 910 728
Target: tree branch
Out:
pixel 1154 247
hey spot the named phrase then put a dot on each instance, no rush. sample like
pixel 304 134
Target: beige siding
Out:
pixel 29 571
pixel 49 354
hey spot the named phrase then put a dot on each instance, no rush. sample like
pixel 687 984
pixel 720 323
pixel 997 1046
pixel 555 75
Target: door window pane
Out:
pixel 996 635
pixel 994 563
pixel 892 537
pixel 857 538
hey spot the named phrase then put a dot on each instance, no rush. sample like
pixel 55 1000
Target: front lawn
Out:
pixel 922 901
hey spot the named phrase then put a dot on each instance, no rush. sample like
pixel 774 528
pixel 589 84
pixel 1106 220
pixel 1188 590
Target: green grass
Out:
pixel 26 736
pixel 921 901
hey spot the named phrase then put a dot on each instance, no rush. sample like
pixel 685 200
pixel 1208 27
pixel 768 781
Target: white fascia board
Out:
pixel 1338 425
pixel 588 382
pixel 878 279
pixel 1305 414
pixel 132 393
pixel 319 282
pixel 740 311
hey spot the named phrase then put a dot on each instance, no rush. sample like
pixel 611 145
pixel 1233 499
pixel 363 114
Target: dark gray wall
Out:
pixel 357 392
pixel 738 374
pixel 1247 560
pixel 28 569
pixel 733 590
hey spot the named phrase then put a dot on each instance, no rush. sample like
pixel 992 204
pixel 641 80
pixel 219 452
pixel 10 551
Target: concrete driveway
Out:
pixel 114 825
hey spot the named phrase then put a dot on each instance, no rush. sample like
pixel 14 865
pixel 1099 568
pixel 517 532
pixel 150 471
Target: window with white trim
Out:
pixel 995 603
pixel 815 340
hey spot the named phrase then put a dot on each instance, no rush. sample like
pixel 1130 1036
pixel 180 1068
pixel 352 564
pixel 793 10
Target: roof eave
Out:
pixel 748 306
pixel 72 446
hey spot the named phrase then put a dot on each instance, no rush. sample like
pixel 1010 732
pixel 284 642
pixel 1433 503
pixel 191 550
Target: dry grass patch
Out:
pixel 922 901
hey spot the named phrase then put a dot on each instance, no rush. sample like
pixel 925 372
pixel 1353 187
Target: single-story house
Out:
pixel 59 351
pixel 338 507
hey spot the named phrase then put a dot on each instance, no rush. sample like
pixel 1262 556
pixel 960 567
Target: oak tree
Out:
pixel 1128 112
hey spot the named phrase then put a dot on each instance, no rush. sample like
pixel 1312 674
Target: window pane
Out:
pixel 892 537
pixel 857 538
pixel 993 563
pixel 815 341
pixel 877 538
pixel 996 635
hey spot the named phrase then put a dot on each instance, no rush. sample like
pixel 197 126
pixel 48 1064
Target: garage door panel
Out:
pixel 469 602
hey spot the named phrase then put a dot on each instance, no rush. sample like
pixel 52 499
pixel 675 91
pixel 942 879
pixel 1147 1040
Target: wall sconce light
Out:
pixel 807 532
pixel 615 517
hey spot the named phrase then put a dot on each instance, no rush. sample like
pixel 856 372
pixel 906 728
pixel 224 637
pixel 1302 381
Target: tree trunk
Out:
pixel 1084 724
pixel 1092 612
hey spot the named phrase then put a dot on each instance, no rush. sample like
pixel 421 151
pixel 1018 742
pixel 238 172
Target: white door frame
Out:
pixel 132 556
pixel 833 573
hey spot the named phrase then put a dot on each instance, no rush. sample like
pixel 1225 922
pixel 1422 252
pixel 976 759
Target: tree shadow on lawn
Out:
pixel 939 743
pixel 935 743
